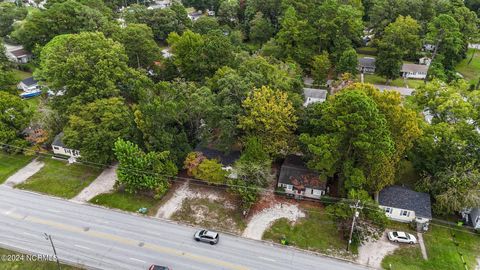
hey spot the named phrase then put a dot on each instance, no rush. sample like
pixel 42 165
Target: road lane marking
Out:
pixel 82 247
pixel 133 259
pixel 30 234
pixel 266 259
pixel 128 241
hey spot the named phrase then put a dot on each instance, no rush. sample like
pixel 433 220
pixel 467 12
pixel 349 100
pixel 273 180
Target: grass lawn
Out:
pixel 60 179
pixel 442 252
pixel 30 265
pixel 315 232
pixel 21 75
pixel 211 214
pixel 399 82
pixel 9 164
pixel 470 72
pixel 126 201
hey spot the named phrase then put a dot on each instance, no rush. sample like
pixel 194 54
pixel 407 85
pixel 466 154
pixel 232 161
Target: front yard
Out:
pixel 216 214
pixel 399 82
pixel 9 164
pixel 441 249
pixel 61 179
pixel 127 201
pixel 316 232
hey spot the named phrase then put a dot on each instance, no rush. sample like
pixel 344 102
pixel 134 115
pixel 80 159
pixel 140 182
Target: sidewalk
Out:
pixel 422 246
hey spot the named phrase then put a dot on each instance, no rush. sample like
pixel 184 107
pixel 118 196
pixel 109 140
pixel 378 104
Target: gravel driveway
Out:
pixel 102 184
pixel 261 221
pixel 24 173
pixel 372 253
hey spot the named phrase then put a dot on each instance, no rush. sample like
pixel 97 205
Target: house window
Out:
pixel 405 213
pixel 288 187
pixel 56 147
pixel 388 210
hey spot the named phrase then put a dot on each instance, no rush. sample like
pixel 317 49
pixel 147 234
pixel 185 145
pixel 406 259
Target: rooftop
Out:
pixel 414 68
pixel 405 198
pixel 295 172
pixel 366 62
pixel 226 159
pixel 315 93
pixel 29 81
pixel 20 52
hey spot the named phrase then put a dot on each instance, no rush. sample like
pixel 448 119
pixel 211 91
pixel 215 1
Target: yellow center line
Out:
pixel 128 241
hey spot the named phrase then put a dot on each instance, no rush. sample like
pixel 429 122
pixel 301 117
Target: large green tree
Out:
pixel 139 45
pixel 9 13
pixel 7 78
pixel 62 18
pixel 320 67
pixel 14 118
pixel 271 117
pixel 97 68
pixel 261 29
pixel 347 63
pixel 140 171
pixel 95 127
pixel 348 136
pixel 199 56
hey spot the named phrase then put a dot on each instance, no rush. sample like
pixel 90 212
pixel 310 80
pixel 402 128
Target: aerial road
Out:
pixel 99 238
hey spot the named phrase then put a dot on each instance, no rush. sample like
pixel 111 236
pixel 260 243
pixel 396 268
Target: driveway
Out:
pixel 24 173
pixel 373 252
pixel 102 184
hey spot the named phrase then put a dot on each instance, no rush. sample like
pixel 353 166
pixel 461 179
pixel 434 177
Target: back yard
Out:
pixel 9 164
pixel 442 251
pixel 471 72
pixel 61 179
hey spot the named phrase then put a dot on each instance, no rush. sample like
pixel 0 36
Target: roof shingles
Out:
pixel 404 198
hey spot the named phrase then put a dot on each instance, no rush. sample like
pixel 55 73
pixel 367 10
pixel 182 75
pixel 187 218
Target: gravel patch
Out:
pixel 373 252
pixel 175 202
pixel 261 221
pixel 102 184
pixel 24 173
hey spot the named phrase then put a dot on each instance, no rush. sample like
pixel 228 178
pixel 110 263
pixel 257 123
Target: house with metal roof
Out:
pixel 313 95
pixel 405 205
pixel 298 181
pixel 414 71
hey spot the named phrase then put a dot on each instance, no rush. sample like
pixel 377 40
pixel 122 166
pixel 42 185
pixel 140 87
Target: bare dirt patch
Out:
pixel 373 252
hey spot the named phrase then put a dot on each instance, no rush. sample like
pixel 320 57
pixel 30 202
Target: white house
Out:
pixel 405 205
pixel 414 71
pixel 19 55
pixel 28 85
pixel 429 47
pixel 366 65
pixel 60 150
pixel 313 95
pixel 297 181
pixel 194 15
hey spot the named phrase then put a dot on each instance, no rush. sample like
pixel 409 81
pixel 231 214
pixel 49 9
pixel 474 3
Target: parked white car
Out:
pixel 401 237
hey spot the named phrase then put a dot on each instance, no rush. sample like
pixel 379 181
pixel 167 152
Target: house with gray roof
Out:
pixel 414 71
pixel 313 95
pixel 28 85
pixel 366 65
pixel 60 150
pixel 226 159
pixel 298 181
pixel 405 205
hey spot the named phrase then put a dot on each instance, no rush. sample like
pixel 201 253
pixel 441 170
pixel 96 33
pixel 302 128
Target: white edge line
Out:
pixel 82 247
pixel 133 259
pixel 267 259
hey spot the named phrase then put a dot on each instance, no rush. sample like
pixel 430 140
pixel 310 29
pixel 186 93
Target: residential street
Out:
pixel 105 239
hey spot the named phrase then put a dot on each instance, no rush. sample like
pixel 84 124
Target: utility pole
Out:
pixel 355 216
pixel 49 237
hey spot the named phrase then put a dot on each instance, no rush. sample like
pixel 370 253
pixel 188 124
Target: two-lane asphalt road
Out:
pixel 104 239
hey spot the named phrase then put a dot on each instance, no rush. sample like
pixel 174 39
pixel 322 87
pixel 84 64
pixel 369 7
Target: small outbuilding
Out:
pixel 405 205
pixel 298 181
